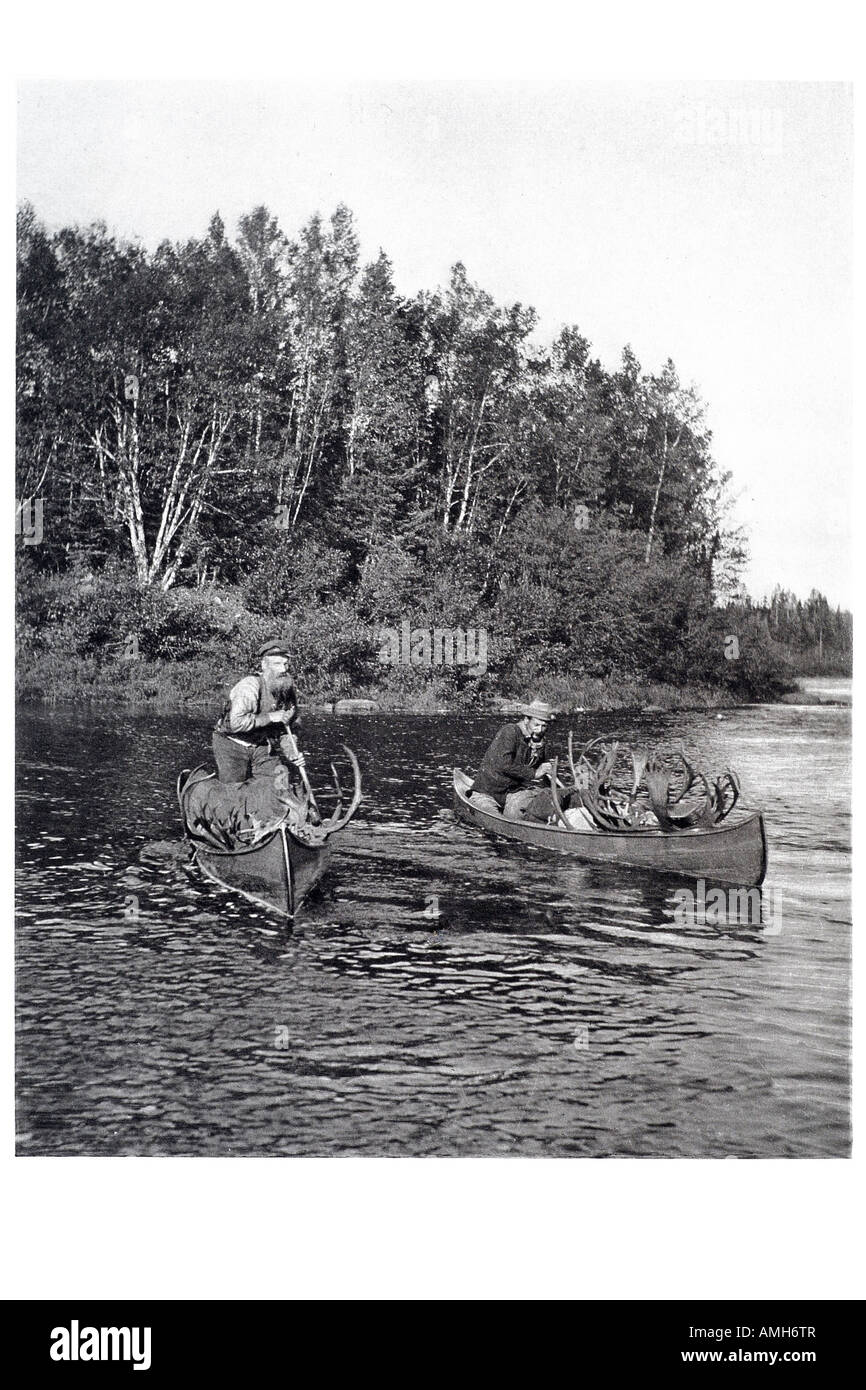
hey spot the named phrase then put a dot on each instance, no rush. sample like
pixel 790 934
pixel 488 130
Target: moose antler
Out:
pixel 554 793
pixel 726 794
pixel 337 821
pixel 338 789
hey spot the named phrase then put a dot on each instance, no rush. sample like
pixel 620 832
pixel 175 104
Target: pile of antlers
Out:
pixel 622 788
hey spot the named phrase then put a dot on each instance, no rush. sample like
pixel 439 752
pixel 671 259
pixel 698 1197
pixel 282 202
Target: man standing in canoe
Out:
pixel 515 766
pixel 257 717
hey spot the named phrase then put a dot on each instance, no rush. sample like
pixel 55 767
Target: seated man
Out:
pixel 515 765
pixel 260 710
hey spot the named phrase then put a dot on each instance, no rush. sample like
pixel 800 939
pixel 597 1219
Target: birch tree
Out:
pixel 386 436
pixel 478 351
pixel 166 354
pixel 322 266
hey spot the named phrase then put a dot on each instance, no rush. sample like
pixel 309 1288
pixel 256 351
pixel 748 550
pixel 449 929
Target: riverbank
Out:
pixel 167 687
pixel 102 638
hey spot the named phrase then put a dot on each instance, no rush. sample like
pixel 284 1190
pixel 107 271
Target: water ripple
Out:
pixel 549 1008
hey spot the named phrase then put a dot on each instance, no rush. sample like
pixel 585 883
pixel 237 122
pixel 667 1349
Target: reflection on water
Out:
pixel 444 993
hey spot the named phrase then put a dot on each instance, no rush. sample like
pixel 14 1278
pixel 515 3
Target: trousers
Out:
pixel 520 804
pixel 237 762
pixel 528 801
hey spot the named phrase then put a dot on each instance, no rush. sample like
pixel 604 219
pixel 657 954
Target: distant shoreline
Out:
pixel 821 690
pixel 803 700
pixel 168 688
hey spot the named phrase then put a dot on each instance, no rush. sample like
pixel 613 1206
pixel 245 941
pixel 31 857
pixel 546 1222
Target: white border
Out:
pixel 171 1228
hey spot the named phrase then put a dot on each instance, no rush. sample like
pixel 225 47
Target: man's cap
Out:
pixel 538 710
pixel 273 648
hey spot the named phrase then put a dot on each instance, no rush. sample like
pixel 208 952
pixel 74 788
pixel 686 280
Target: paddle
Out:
pixel 289 739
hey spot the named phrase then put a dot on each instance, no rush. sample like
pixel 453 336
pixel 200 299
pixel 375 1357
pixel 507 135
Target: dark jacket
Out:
pixel 509 763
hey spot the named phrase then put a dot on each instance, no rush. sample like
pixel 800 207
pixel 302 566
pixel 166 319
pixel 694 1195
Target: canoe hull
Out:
pixel 276 875
pixel 734 852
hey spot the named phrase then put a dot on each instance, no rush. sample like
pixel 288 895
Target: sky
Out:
pixel 709 222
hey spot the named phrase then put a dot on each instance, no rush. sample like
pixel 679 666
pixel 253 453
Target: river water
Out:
pixel 551 1008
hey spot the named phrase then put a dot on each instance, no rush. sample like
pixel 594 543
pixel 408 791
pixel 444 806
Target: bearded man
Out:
pixel 257 720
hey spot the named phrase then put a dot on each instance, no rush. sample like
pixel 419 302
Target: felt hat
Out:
pixel 538 710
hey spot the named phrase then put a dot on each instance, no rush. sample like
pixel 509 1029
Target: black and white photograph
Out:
pixel 433 590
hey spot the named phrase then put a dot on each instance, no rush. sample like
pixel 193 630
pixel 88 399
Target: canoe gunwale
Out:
pixel 743 839
pixel 210 857
pixel 202 854
pixel 744 816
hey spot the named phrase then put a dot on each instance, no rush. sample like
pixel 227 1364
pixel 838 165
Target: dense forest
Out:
pixel 230 438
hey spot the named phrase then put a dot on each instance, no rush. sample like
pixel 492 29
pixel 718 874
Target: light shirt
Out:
pixel 243 707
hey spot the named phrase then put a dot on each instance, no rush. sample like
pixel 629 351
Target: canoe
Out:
pixel 278 871
pixel 735 851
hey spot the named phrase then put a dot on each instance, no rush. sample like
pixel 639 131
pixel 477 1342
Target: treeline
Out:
pixel 265 428
pixel 816 639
